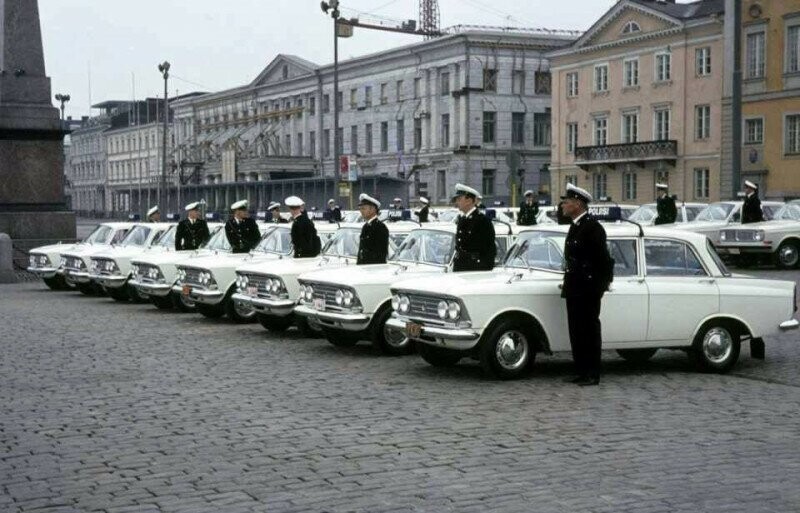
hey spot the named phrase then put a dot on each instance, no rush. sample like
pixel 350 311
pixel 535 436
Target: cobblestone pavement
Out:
pixel 122 408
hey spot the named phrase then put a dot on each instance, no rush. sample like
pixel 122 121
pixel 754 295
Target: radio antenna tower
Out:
pixel 429 17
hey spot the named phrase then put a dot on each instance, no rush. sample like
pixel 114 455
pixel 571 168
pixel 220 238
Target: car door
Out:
pixel 682 292
pixel 624 310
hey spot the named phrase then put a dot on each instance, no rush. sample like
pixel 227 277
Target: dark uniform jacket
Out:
pixel 243 235
pixel 335 215
pixel 475 246
pixel 751 209
pixel 189 235
pixel 527 214
pixel 589 268
pixel 422 214
pixel 667 211
pixel 304 237
pixel 373 246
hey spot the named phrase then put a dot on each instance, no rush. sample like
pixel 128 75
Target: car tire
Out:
pixel 389 342
pixel 53 283
pixel 638 356
pixel 86 289
pixel 438 356
pixel 182 303
pixel 162 302
pixel 507 350
pixel 273 323
pixel 307 329
pixel 238 312
pixel 135 295
pixel 119 294
pixel 716 347
pixel 211 311
pixel 788 255
pixel 340 338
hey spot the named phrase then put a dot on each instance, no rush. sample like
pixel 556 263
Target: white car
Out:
pixel 75 261
pixel 154 272
pixel 647 213
pixel 670 290
pixel 778 239
pixel 722 214
pixel 353 303
pixel 111 268
pixel 271 288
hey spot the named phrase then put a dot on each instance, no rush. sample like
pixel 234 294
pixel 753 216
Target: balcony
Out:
pixel 638 153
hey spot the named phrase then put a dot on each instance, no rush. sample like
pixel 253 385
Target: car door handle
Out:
pixel 707 280
pixel 636 280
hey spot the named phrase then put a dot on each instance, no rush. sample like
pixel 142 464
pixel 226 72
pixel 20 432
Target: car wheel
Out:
pixel 211 311
pixel 438 356
pixel 162 302
pixel 183 303
pixel 238 312
pixel 120 294
pixel 716 347
pixel 340 338
pixel 390 341
pixel 308 329
pixel 788 255
pixel 53 283
pixel 274 323
pixel 507 350
pixel 86 289
pixel 135 295
pixel 641 355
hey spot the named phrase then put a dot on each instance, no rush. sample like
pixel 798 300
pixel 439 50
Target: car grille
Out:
pixel 101 266
pixel 143 276
pixel 193 277
pixel 423 307
pixel 739 235
pixel 327 292
pixel 72 263
pixel 259 281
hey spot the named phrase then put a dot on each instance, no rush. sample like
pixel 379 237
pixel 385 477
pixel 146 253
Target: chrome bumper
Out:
pixel 450 338
pixel 152 289
pixel 111 282
pixel 43 272
pixel 791 324
pixel 742 249
pixel 339 320
pixel 76 276
pixel 276 307
pixel 203 296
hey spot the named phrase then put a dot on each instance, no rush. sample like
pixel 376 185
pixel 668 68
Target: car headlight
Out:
pixel 723 236
pixel 348 298
pixel 62 262
pixel 404 304
pixel 153 273
pixel 309 293
pixel 441 309
pixel 758 235
pixel 453 310
pixel 395 302
pixel 32 261
pixel 93 266
pixel 275 285
pixel 339 297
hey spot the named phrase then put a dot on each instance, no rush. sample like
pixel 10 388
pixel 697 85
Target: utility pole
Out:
pixel 736 100
pixel 164 69
pixel 333 7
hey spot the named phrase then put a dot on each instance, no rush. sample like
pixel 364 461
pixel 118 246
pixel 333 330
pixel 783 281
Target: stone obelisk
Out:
pixel 31 137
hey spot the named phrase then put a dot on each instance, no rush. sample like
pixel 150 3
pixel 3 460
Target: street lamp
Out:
pixel 333 8
pixel 63 98
pixel 164 69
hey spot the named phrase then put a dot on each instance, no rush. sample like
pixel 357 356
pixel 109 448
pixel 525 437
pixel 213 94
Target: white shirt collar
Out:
pixel 749 195
pixel 373 218
pixel 473 209
pixel 578 219
pixel 298 215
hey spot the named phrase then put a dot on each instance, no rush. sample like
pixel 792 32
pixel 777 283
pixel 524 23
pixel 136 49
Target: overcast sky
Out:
pixel 214 45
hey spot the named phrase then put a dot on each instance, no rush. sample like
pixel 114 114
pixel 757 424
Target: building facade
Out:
pixel 638 99
pixel 85 167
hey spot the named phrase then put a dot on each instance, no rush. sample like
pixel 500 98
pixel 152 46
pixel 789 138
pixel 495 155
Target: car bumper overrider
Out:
pixel 791 324
pixel 461 339
pixel 339 320
pixel 276 307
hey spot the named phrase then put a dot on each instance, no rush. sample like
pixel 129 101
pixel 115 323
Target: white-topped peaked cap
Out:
pixel 423 199
pixel 331 201
pixel 528 193
pixel 240 204
pixel 397 199
pixel 748 183
pixel 366 199
pixel 294 202
pixel 573 191
pixel 466 190
pixel 662 186
pixel 273 205
pixel 152 211
pixel 192 206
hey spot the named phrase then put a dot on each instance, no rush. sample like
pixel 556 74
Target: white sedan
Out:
pixel 670 290
pixel 777 240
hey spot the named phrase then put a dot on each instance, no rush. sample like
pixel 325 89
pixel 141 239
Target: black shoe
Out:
pixel 587 382
pixel 576 379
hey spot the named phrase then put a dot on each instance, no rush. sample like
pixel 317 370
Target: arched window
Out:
pixel 631 27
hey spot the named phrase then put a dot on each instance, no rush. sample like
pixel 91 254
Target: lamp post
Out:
pixel 63 98
pixel 164 69
pixel 333 7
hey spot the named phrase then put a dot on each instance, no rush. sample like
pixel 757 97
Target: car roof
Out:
pixel 626 230
pixel 116 225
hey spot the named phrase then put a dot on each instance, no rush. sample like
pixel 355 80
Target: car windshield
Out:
pixel 218 242
pixel 540 250
pixel 137 236
pixel 788 212
pixel 352 217
pixel 99 235
pixel 427 247
pixel 343 243
pixel 277 241
pixel 447 216
pixel 167 239
pixel 644 214
pixel 715 212
pixel 769 211
pixel 693 212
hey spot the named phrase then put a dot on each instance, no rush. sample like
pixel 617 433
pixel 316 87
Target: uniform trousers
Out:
pixel 585 337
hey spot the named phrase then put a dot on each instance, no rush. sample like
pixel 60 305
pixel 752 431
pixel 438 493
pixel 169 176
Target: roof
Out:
pixel 627 230
pixel 687 11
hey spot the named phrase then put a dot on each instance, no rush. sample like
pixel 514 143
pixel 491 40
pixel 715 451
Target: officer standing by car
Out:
pixel 587 275
pixel 751 209
pixel 304 234
pixel 528 210
pixel 373 245
pixel 241 229
pixel 334 213
pixel 666 210
pixel 274 209
pixel 192 232
pixel 422 213
pixel 153 215
pixel 475 244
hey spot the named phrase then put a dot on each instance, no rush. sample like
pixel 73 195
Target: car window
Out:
pixel 118 236
pixel 541 250
pixel 137 236
pixel 768 211
pixel 788 212
pixel 167 239
pixel 99 235
pixel 427 246
pixel 218 242
pixel 644 214
pixel 623 251
pixel 276 241
pixel 343 243
pixel 715 212
pixel 717 260
pixel 501 244
pixel 671 258
pixel 691 212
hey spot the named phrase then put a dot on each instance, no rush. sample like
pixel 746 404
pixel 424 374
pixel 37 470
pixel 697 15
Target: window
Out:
pixel 572 84
pixel 600 185
pixel 340 101
pixel 445 136
pixel 287 145
pixel 384 93
pixel 671 258
pixel 600 131
pixel 601 78
pixel 755 54
pixel 631 72
pixel 488 127
pixel 623 251
pixel 353 99
pixel 401 135
pixel 629 186
pixel 517 128
pixel 417 83
pixel 702 61
pixel 661 124
pixel 631 27
pixel 487 182
pixel 340 140
pixel 326 103
pixel 702 121
pixel 792 131
pixel 490 79
pixel 572 137
pixel 326 143
pixel 793 49
pixel 354 139
pixel 541 129
pixel 444 84
pixel 573 179
pixel 630 127
pixel 299 147
pixel 517 82
pixel 368 138
pixel 368 96
pixel 399 91
pixel 542 82
pixel 312 144
pixel 701 183
pixel 312 105
pixel 441 183
pixel 417 133
pixel 754 131
pixel 384 136
pixel 663 67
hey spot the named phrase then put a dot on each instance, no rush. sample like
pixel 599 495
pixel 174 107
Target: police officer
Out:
pixel 588 273
pixel 422 213
pixel 475 246
pixel 153 215
pixel 304 235
pixel 241 229
pixel 334 214
pixel 665 206
pixel 274 209
pixel 751 209
pixel 528 210
pixel 397 204
pixel 373 246
pixel 192 232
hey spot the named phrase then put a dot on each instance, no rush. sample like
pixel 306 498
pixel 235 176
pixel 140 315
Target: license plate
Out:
pixel 413 330
pixel 252 291
pixel 733 251
pixel 319 303
pixel 186 290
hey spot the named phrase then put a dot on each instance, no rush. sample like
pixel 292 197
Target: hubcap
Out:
pixel 243 310
pixel 394 338
pixel 511 350
pixel 717 345
pixel 789 255
pixel 188 303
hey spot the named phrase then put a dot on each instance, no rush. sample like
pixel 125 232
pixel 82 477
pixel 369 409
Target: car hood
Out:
pixel 701 225
pixel 53 248
pixel 170 257
pixel 82 251
pixel 225 260
pixel 121 252
pixel 289 266
pixel 770 225
pixel 482 283
pixel 371 274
